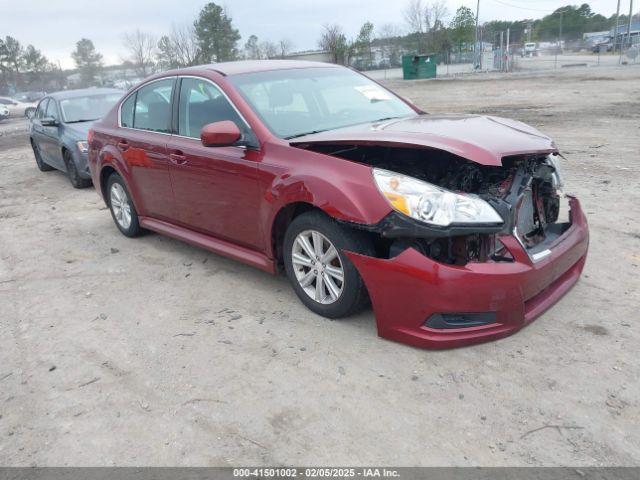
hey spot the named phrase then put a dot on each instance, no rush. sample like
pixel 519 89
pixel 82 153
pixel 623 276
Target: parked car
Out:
pixel 29 97
pixel 602 47
pixel 17 108
pixel 4 112
pixel 530 49
pixel 454 226
pixel 58 130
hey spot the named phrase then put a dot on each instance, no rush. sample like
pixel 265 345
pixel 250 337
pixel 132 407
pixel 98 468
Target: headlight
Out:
pixel 83 146
pixel 431 204
pixel 558 178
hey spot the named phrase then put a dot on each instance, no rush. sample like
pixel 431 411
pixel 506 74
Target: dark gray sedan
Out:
pixel 58 130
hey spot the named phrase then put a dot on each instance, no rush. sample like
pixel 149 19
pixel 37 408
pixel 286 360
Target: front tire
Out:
pixel 322 276
pixel 123 211
pixel 72 172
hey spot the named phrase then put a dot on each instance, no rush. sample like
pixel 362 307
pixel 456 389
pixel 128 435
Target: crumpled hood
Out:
pixel 481 139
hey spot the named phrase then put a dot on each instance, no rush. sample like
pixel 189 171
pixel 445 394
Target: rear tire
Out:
pixel 123 211
pixel 308 257
pixel 43 167
pixel 72 172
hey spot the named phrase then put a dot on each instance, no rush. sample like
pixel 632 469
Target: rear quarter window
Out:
pixel 126 111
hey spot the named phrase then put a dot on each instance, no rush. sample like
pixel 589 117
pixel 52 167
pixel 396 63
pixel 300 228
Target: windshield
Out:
pixel 88 108
pixel 307 100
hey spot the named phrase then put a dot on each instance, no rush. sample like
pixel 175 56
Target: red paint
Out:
pixel 406 290
pixel 220 134
pixel 225 199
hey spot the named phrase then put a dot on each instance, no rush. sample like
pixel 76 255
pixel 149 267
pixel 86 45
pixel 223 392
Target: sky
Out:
pixel 54 26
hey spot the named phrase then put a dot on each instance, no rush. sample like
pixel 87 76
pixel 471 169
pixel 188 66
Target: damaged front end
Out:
pixel 526 192
pixel 444 282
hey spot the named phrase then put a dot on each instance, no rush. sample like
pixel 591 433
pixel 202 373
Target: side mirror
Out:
pixel 220 134
pixel 49 122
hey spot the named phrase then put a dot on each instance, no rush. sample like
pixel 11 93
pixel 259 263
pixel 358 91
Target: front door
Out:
pixel 50 137
pixel 216 188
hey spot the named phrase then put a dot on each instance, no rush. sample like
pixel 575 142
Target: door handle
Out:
pixel 123 145
pixel 178 157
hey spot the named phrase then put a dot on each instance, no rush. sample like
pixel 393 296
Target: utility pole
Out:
pixel 628 42
pixel 615 30
pixel 507 52
pixel 560 34
pixel 623 41
pixel 475 45
pixel 502 51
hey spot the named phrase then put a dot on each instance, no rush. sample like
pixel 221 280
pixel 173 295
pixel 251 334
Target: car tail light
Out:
pixel 90 136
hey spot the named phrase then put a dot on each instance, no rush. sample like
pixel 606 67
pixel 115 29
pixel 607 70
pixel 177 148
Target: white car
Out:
pixel 18 109
pixel 4 112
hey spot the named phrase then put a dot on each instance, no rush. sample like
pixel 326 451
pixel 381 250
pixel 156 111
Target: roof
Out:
pixel 84 92
pixel 250 66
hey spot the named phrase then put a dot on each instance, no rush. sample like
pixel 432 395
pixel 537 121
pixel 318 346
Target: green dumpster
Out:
pixel 418 66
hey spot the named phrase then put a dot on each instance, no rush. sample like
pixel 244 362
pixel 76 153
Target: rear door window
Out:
pixel 126 111
pixel 153 106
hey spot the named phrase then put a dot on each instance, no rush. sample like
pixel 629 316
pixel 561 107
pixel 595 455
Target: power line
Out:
pixel 523 8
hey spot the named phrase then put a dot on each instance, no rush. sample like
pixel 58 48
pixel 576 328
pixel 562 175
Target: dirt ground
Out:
pixel 116 351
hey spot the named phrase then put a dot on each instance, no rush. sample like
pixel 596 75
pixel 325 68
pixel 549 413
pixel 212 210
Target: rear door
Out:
pixel 145 121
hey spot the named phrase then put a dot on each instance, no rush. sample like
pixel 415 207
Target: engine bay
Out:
pixel 526 191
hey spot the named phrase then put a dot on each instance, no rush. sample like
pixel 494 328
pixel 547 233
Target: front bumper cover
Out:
pixel 408 289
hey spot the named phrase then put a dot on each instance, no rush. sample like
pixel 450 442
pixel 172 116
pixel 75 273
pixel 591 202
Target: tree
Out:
pixel 11 58
pixel 179 49
pixel 334 41
pixel 252 49
pixel 35 64
pixel 575 22
pixel 389 37
pixel 268 49
pixel 88 61
pixel 463 26
pixel 167 56
pixel 217 38
pixel 142 51
pixel 363 42
pixel 426 22
pixel 284 47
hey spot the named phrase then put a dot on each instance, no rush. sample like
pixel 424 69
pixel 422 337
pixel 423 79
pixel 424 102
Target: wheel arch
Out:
pixel 281 222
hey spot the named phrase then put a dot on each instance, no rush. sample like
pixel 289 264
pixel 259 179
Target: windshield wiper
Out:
pixel 384 119
pixel 83 120
pixel 305 134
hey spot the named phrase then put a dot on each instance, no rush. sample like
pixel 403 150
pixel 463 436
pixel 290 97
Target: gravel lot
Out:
pixel 116 351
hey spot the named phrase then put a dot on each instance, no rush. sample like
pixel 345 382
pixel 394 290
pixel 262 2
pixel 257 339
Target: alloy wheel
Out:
pixel 120 206
pixel 317 267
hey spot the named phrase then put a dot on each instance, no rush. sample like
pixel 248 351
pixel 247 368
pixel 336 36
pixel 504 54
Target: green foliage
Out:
pixel 217 38
pixel 463 26
pixel 362 45
pixel 575 22
pixel 88 61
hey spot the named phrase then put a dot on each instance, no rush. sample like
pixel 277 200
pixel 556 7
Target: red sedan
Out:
pixel 454 227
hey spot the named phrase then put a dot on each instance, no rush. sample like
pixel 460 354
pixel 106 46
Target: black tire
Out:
pixel 354 296
pixel 72 172
pixel 43 167
pixel 134 229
